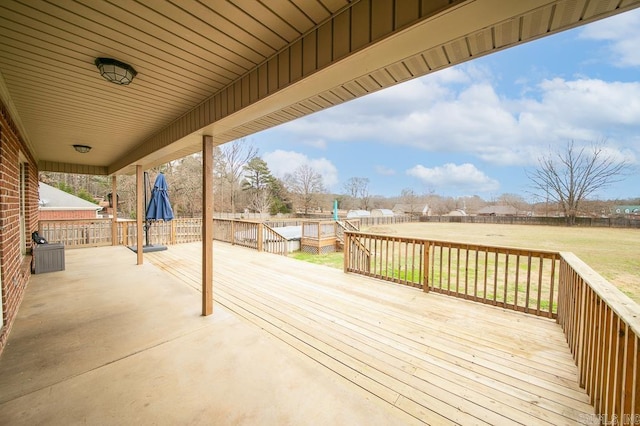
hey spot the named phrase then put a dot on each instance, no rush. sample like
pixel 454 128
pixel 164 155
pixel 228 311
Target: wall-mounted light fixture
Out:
pixel 115 71
pixel 83 149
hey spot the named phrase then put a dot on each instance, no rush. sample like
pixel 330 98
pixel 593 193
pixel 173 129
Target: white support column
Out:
pixel 114 203
pixel 139 212
pixel 207 225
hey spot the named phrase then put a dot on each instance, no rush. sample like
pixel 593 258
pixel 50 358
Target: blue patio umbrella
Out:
pixel 159 207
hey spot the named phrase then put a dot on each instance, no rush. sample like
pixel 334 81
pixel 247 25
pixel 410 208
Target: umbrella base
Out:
pixel 148 249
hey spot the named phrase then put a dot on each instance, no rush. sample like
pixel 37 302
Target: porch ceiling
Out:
pixel 232 68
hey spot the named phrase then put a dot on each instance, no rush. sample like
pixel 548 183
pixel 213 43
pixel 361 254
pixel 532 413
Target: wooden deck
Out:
pixel 439 359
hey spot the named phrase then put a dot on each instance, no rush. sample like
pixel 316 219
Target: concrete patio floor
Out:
pixel 109 342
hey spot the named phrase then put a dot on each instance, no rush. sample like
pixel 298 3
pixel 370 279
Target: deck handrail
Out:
pixel 77 232
pixel 318 230
pixel 513 278
pixel 274 242
pixel 601 324
pixel 97 232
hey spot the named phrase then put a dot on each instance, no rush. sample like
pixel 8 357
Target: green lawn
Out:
pixel 335 260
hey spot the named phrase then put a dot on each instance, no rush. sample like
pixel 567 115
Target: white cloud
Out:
pixel 621 32
pixel 459 111
pixel 464 177
pixel 281 162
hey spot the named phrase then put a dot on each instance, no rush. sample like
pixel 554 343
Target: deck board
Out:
pixel 437 358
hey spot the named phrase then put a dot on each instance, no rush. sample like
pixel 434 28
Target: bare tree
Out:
pixel 571 175
pixel 358 189
pixel 185 191
pixel 513 200
pixel 127 195
pixel 230 163
pixel 260 201
pixel 305 184
pixel 410 199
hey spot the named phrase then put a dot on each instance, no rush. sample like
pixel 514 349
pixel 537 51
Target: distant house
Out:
pixel 381 213
pixel 457 212
pixel 498 211
pixel 55 204
pixel 412 209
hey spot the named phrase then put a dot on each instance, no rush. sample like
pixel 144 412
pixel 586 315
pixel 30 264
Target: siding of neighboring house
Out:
pixel 56 204
pixel 67 214
pixel 15 260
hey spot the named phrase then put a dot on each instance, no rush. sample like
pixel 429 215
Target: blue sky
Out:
pixel 475 128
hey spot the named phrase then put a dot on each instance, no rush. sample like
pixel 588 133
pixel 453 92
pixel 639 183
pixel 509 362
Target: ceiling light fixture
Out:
pixel 83 149
pixel 115 71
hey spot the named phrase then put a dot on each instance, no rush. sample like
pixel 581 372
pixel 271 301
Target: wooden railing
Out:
pixel 601 324
pixel 77 232
pixel 255 235
pixel 519 279
pixel 319 237
pixel 97 232
pixel 345 225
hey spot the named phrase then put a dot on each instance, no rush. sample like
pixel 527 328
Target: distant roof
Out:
pixel 52 198
pixel 382 212
pixel 411 208
pixel 358 213
pixel 498 210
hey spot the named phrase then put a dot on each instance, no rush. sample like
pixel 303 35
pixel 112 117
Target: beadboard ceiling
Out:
pixel 232 68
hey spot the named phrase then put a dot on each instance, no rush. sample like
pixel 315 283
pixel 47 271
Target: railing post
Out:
pixel 260 236
pixel 233 232
pixel 425 267
pixel 347 251
pixel 173 232
pixel 114 211
pixel 125 233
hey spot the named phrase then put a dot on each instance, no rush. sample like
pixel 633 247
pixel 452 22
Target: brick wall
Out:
pixel 14 264
pixel 67 214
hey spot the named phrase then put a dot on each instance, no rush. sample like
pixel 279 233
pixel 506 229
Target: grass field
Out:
pixel 613 253
pixel 335 260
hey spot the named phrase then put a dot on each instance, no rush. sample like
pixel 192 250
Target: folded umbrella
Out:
pixel 159 207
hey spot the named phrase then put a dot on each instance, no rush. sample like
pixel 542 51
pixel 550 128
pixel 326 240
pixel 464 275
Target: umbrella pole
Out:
pixel 146 231
pixel 146 206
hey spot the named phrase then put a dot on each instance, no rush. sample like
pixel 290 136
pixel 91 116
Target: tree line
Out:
pixel 562 182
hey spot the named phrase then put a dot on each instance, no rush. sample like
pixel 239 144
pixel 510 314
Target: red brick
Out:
pixel 15 266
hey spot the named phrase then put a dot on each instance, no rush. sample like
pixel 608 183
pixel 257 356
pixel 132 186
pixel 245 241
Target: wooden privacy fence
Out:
pixel 97 232
pixel 77 233
pixel 600 323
